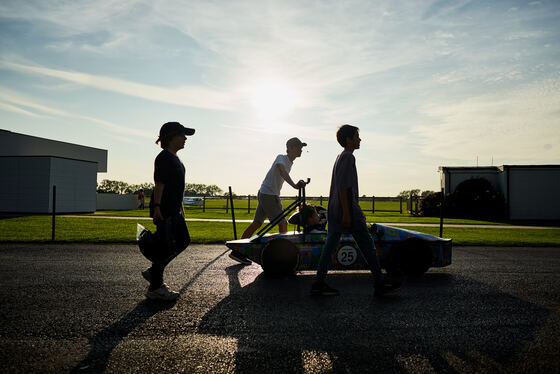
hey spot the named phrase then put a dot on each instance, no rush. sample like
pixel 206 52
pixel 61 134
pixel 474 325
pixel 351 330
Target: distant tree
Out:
pixel 475 198
pixel 110 186
pixel 406 193
pixel 147 187
pixel 213 190
pixel 196 189
pixel 426 193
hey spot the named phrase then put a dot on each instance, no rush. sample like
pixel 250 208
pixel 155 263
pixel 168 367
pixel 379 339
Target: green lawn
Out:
pixel 216 208
pixel 99 230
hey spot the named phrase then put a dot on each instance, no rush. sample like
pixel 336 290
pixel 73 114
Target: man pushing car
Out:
pixel 269 204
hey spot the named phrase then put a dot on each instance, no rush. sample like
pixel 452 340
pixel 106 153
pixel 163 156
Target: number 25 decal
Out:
pixel 347 255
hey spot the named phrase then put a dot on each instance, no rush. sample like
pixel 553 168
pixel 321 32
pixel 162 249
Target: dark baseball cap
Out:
pixel 171 128
pixel 295 142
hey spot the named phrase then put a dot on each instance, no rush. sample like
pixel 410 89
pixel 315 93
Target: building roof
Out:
pixel 14 144
pixel 496 168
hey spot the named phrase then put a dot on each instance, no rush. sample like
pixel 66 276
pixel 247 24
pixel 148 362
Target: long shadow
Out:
pixel 439 321
pixel 110 337
pixel 104 342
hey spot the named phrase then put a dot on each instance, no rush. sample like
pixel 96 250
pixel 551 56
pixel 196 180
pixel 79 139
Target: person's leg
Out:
pixel 367 247
pixel 333 238
pixel 258 219
pixel 250 230
pixel 180 239
pixel 283 227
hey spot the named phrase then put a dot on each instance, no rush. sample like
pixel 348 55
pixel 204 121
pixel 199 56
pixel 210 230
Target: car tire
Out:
pixel 279 257
pixel 411 257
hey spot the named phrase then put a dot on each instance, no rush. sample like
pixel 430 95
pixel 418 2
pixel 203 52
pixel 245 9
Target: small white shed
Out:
pixel 30 166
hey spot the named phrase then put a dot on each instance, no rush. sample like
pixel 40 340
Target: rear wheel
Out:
pixel 411 257
pixel 279 257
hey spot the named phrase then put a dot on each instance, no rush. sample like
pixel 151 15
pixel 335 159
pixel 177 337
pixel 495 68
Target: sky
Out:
pixel 429 84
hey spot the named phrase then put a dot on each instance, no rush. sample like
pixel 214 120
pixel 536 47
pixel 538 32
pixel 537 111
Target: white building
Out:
pixel 31 166
pixel 530 191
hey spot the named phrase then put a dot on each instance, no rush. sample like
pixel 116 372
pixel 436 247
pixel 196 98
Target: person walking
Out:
pixel 166 206
pixel 345 215
pixel 269 204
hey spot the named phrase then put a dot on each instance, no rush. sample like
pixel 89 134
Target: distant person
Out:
pixel 166 205
pixel 269 204
pixel 345 215
pixel 141 199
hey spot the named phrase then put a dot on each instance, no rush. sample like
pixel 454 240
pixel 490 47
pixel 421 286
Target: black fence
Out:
pixel 371 204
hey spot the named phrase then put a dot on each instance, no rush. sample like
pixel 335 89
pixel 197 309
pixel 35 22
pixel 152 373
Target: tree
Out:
pixel 475 198
pixel 109 186
pixel 406 193
pixel 213 190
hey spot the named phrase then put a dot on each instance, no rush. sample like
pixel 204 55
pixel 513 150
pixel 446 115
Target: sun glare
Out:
pixel 273 100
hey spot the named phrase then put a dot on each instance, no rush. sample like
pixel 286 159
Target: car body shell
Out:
pixel 348 256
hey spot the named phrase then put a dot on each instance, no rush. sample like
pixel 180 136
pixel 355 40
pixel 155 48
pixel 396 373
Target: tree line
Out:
pixel 191 189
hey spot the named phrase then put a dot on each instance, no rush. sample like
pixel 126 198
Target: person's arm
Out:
pixel 284 174
pixel 156 197
pixel 346 217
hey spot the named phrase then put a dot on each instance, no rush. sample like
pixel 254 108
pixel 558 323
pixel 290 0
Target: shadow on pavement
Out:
pixel 440 322
pixel 103 343
pixel 107 339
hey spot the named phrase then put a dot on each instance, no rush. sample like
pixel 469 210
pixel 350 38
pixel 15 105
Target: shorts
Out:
pixel 269 207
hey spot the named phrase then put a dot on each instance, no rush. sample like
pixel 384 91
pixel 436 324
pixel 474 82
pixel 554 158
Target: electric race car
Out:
pixel 400 251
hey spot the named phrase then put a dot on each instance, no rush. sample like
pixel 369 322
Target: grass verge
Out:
pixel 107 230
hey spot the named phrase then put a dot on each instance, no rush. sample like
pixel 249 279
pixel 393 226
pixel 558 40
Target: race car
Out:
pixel 400 251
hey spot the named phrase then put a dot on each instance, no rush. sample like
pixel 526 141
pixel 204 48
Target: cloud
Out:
pixel 190 96
pixel 15 102
pixel 512 125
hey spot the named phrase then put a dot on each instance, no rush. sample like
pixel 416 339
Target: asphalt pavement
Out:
pixel 79 308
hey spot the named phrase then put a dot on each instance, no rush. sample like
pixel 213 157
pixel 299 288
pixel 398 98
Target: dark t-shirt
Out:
pixel 170 171
pixel 344 176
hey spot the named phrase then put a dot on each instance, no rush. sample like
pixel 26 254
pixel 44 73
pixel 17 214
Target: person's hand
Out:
pixel 157 215
pixel 300 184
pixel 346 221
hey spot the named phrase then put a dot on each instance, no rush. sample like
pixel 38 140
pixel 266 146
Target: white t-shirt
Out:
pixel 272 183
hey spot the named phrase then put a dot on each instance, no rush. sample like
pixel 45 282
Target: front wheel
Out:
pixel 279 257
pixel 411 257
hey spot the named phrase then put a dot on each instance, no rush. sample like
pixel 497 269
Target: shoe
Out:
pixel 321 288
pixel 147 275
pixel 386 286
pixel 162 293
pixel 242 259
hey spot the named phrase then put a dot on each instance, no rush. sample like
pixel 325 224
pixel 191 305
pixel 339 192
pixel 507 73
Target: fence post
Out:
pixel 203 204
pixel 372 204
pixel 321 200
pixel 441 214
pixel 400 203
pixel 249 204
pixel 53 211
pixel 227 204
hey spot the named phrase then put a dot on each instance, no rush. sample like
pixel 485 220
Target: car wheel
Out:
pixel 411 257
pixel 279 257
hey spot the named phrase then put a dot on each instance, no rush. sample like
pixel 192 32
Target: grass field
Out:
pixel 216 208
pixel 107 230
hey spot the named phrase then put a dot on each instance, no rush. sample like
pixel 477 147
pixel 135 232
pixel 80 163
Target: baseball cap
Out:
pixel 170 128
pixel 295 142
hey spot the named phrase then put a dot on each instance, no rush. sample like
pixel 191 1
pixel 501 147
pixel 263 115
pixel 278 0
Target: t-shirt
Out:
pixel 344 176
pixel 170 171
pixel 273 181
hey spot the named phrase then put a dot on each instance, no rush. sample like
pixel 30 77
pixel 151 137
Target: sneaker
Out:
pixel 388 285
pixel 147 275
pixel 162 293
pixel 321 288
pixel 239 257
